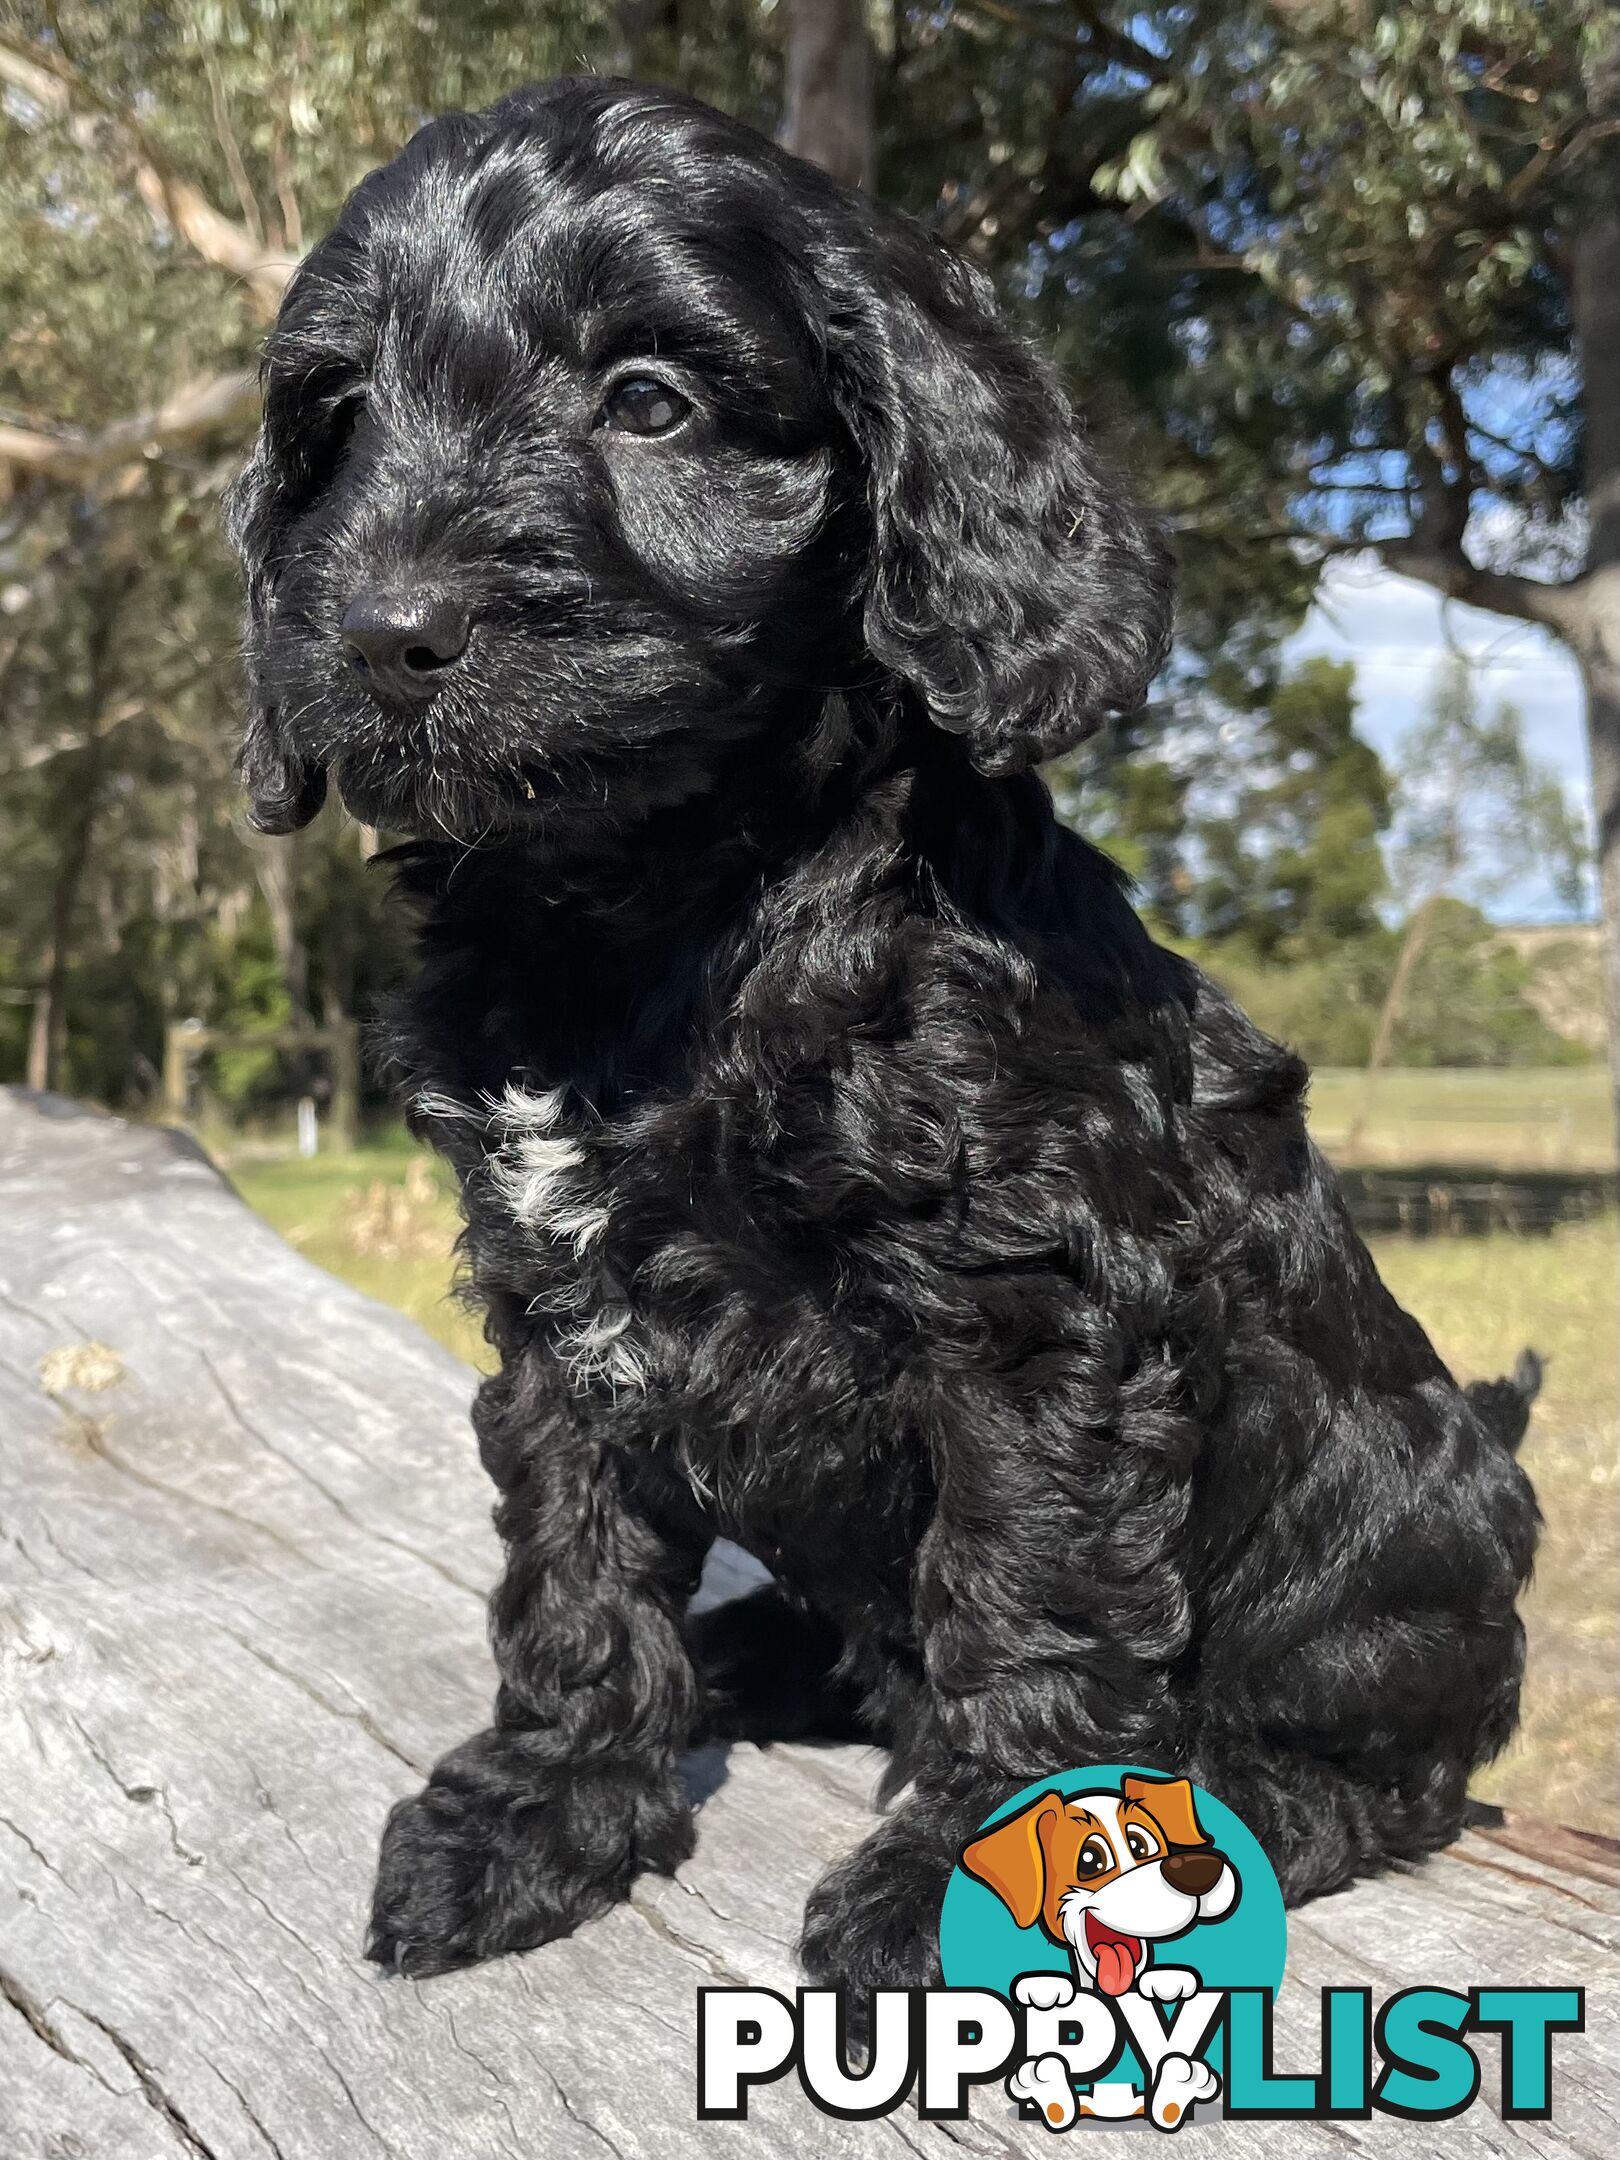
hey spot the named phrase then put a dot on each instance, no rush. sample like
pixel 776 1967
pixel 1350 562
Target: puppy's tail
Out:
pixel 1503 1406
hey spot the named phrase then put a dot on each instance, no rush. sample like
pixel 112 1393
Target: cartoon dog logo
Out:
pixel 1110 1875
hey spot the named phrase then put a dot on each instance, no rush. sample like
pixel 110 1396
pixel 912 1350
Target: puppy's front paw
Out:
pixel 494 1856
pixel 1168 1983
pixel 873 1920
pixel 1044 1990
pixel 1177 2089
pixel 1046 2086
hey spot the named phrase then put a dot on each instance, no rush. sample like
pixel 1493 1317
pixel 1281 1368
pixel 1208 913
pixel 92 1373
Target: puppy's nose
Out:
pixel 405 642
pixel 1193 1872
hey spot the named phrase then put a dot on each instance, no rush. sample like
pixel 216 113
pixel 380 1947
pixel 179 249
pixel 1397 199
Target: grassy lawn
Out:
pixel 1556 1117
pixel 1481 1299
pixel 383 1219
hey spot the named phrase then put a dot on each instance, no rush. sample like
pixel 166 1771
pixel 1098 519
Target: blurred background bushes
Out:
pixel 1308 268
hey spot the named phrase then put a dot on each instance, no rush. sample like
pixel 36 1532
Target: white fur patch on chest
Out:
pixel 551 1178
pixel 536 1169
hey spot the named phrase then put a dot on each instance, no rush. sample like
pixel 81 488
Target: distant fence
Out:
pixel 338 1043
pixel 1447 1202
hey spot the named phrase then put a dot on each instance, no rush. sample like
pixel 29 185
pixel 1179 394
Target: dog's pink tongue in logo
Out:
pixel 1117 1955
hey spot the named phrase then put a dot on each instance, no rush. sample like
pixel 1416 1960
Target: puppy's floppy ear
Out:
pixel 1018 593
pixel 1170 1802
pixel 284 791
pixel 1011 1860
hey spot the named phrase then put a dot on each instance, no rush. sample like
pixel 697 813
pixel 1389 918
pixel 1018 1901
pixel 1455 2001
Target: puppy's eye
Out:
pixel 642 405
pixel 1095 1856
pixel 1141 1844
pixel 342 417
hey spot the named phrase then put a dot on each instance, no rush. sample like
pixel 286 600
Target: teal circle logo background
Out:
pixel 980 1944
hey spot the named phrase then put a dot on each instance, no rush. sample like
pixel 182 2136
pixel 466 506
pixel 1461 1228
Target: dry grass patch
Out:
pixel 1482 1299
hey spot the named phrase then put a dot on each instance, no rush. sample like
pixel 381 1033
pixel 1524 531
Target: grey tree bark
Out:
pixel 275 865
pixel 244 1547
pixel 1594 630
pixel 827 102
pixel 78 801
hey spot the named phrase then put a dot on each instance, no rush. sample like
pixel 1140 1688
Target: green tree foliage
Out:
pixel 1469 999
pixel 1469 1002
pixel 1291 860
pixel 1128 792
pixel 160 171
pixel 1262 842
pixel 1293 258
pixel 1479 810
pixel 1343 275
pixel 1255 824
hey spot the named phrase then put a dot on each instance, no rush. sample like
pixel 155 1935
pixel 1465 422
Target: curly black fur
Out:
pixel 846 1171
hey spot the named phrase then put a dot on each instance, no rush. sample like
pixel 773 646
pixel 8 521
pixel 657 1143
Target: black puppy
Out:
pixel 683 550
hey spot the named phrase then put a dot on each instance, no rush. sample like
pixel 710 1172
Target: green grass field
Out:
pixel 1481 1299
pixel 383 1219
pixel 1557 1117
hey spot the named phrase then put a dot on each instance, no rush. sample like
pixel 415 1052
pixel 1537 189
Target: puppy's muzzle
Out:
pixel 405 644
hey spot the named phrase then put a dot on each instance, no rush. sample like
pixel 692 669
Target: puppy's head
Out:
pixel 602 439
pixel 1107 1874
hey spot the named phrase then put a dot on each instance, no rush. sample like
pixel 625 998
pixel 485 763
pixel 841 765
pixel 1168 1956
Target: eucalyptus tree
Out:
pixel 1479 812
pixel 1345 275
pixel 1332 275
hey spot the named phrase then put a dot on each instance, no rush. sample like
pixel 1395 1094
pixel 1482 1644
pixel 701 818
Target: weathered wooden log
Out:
pixel 244 1549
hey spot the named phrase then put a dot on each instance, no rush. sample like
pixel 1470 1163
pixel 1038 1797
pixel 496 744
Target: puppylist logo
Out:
pixel 1135 1911
pixel 1112 1940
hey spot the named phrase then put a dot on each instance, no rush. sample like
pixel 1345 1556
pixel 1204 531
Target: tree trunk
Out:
pixel 1598 651
pixel 1389 1018
pixel 247 1555
pixel 79 795
pixel 1595 632
pixel 827 101
pixel 47 1038
pixel 1596 637
pixel 275 864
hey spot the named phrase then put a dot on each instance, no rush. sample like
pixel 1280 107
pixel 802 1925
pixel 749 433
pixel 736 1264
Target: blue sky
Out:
pixel 1397 633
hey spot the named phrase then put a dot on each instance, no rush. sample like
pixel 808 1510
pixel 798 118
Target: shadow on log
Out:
pixel 244 1549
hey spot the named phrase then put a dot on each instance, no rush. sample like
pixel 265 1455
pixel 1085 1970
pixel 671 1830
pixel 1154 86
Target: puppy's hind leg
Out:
pixel 770 1671
pixel 1323 1824
pixel 1049 1606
